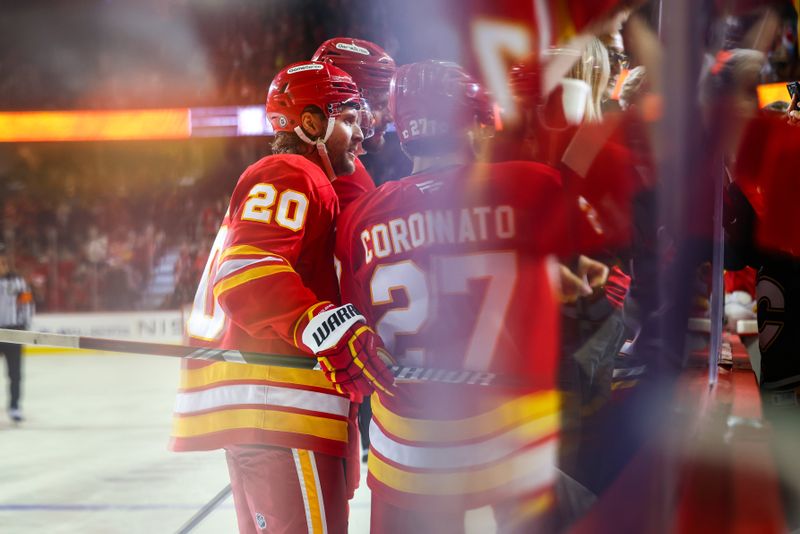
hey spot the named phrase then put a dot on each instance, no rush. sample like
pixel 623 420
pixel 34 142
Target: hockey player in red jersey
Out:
pixel 452 266
pixel 371 68
pixel 269 286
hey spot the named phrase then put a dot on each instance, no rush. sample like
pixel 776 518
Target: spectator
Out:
pixel 593 68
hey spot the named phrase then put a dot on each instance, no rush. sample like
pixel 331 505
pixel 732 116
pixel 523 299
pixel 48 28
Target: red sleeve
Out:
pixel 275 210
pixel 346 239
pixel 537 195
pixel 750 160
pixel 772 188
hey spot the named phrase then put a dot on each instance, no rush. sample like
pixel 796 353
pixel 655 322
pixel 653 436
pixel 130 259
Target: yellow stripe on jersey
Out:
pixel 355 354
pixel 313 493
pixel 463 482
pixel 272 420
pixel 248 276
pixel 248 250
pixel 460 455
pixel 514 413
pixel 219 372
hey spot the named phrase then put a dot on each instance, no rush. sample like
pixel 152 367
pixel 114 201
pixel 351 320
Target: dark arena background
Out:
pixel 671 128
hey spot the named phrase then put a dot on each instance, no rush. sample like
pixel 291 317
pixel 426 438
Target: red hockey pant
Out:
pixel 287 491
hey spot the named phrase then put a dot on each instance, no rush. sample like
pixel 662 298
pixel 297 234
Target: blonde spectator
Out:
pixel 632 87
pixel 594 68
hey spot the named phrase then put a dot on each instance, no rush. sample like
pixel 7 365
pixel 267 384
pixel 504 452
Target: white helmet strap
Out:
pixel 322 150
pixel 328 131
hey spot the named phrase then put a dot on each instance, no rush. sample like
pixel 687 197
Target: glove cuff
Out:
pixel 327 325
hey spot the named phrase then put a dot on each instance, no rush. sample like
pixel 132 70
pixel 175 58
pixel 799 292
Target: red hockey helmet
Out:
pixel 435 99
pixel 312 83
pixel 369 64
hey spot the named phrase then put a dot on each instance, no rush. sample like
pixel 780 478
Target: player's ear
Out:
pixel 311 123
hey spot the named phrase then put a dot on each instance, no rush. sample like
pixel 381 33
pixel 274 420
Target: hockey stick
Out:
pixel 203 512
pixel 410 374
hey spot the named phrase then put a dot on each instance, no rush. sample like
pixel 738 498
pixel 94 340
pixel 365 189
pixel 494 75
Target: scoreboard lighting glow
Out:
pixel 94 125
pixel 129 125
pixel 772 92
pixel 252 120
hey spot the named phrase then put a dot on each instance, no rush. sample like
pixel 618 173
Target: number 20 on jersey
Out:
pixel 287 208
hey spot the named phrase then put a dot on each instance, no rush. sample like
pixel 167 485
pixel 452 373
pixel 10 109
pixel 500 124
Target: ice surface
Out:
pixel 92 456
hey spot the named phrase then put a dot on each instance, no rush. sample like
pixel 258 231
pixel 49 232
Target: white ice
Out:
pixel 92 456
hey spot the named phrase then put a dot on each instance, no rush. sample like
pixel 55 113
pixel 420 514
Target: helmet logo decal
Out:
pixel 307 66
pixel 353 48
pixel 282 121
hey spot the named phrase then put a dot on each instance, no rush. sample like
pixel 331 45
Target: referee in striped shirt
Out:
pixel 16 311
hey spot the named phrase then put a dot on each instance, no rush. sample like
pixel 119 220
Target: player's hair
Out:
pixel 633 86
pixel 725 73
pixel 594 68
pixel 290 142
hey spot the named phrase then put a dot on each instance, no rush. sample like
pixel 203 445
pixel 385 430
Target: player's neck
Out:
pixel 429 163
pixel 316 158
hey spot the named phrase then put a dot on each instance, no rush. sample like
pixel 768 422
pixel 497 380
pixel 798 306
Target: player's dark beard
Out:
pixel 342 166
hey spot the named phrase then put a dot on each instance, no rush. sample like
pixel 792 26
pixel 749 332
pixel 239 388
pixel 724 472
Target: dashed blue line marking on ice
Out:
pixel 99 507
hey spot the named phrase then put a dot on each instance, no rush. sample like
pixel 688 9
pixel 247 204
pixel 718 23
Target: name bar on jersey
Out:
pixel 445 226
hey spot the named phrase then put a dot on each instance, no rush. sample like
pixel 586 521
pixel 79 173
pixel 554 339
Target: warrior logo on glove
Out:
pixel 323 325
pixel 351 354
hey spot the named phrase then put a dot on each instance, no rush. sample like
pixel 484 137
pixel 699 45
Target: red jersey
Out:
pixel 272 260
pixel 492 35
pixel 451 267
pixel 349 188
pixel 767 150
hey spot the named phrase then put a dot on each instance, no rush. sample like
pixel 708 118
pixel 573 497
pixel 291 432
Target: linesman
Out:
pixel 16 311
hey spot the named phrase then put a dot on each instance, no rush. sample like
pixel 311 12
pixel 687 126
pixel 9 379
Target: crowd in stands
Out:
pixel 87 225
pixel 159 54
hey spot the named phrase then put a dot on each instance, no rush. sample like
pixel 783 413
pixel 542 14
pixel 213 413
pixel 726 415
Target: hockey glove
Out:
pixel 349 352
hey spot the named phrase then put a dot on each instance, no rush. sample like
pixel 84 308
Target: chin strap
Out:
pixel 321 148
